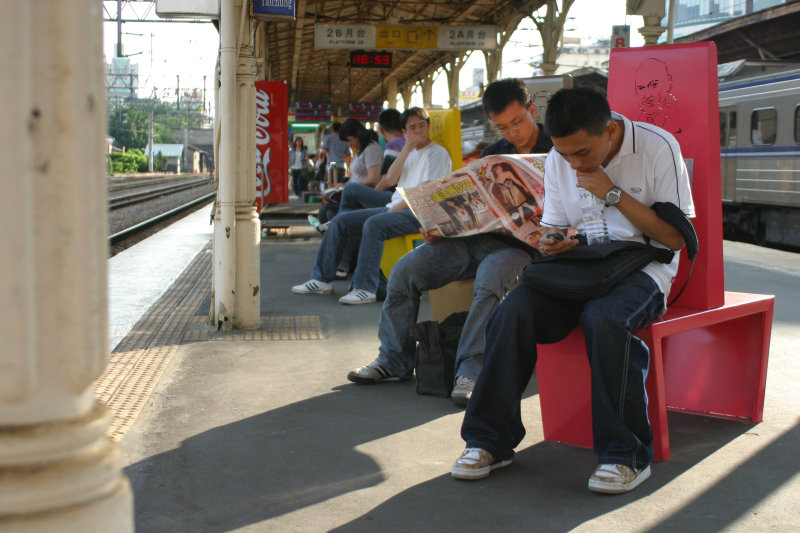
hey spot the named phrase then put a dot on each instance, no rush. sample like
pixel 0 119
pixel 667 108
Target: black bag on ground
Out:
pixel 588 272
pixel 435 358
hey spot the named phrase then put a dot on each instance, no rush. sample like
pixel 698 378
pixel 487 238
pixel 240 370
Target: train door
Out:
pixel 727 143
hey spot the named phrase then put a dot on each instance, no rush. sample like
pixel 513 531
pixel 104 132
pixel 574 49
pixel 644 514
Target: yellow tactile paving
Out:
pixel 139 359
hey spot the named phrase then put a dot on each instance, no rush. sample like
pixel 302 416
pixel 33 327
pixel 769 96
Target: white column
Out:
pixel 247 304
pixel 58 471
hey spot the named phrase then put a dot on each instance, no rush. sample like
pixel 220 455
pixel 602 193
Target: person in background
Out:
pixel 334 148
pixel 297 164
pixel 631 165
pixel 494 260
pixel 367 153
pixel 359 196
pixel 420 160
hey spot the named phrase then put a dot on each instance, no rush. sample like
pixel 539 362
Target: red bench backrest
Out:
pixel 675 87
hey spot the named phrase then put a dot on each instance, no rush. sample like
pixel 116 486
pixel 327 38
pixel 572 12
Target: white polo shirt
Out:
pixel 649 167
pixel 426 164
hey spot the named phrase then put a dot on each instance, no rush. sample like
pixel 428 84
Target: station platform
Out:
pixel 261 431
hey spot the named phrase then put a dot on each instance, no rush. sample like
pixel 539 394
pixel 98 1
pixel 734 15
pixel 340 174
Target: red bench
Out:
pixel 708 353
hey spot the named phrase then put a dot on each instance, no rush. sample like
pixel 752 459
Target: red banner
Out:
pixel 272 143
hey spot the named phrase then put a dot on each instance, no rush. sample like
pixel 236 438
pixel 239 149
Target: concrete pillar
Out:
pixel 246 304
pixel 406 93
pixel 652 12
pixel 58 470
pixel 427 91
pixel 391 92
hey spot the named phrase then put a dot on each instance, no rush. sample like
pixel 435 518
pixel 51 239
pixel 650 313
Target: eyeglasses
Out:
pixel 516 124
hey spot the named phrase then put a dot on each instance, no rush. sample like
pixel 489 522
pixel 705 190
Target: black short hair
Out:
pixel 572 110
pixel 336 127
pixel 389 120
pixel 414 112
pixel 499 95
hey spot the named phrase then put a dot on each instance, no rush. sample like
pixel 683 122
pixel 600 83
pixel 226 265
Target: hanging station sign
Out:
pixel 366 36
pixel 273 9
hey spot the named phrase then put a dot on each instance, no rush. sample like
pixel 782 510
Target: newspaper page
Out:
pixel 496 193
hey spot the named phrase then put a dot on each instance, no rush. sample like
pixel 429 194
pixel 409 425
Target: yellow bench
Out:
pixel 394 249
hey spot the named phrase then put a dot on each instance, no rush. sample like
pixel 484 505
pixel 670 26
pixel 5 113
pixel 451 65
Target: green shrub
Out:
pixel 129 162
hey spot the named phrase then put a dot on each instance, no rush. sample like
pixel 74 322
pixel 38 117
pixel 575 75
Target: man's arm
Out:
pixel 598 183
pixel 396 169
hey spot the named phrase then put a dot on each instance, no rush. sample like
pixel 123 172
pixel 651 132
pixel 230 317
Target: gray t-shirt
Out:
pixel 371 156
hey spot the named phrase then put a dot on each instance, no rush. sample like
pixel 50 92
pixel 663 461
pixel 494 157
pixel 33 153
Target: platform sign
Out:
pixel 272 9
pixel 272 143
pixel 408 37
pixel 365 111
pixel 312 111
pixel 620 36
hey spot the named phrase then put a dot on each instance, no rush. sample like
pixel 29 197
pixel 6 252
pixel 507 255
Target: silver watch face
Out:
pixel 613 196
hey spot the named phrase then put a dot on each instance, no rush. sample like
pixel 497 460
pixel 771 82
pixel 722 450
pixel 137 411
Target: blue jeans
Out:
pixel 360 196
pixel 619 362
pixel 372 226
pixel 298 183
pixel 494 265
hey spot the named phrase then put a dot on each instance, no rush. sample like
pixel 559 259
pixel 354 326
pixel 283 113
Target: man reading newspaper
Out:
pixel 494 260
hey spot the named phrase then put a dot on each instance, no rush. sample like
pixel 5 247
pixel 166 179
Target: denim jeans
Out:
pixel 360 196
pixel 298 183
pixel 494 265
pixel 619 363
pixel 372 226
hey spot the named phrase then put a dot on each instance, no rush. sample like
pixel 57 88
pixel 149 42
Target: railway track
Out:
pixel 123 200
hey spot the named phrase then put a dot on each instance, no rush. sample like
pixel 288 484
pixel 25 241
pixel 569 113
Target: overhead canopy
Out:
pixel 292 55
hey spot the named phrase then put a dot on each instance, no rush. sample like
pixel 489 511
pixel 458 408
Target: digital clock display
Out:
pixel 371 59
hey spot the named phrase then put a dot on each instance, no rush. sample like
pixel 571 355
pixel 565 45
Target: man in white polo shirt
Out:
pixel 632 165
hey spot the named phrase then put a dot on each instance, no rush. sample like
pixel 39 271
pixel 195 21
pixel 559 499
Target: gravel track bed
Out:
pixel 125 217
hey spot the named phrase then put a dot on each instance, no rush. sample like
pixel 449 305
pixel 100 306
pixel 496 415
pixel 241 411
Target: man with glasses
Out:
pixel 494 260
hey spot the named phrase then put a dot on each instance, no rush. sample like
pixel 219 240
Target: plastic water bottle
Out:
pixel 594 218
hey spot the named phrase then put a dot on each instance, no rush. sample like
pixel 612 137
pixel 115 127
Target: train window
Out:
pixel 797 124
pixel 723 125
pixel 763 126
pixel 732 128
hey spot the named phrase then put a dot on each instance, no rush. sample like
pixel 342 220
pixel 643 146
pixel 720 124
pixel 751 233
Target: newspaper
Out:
pixel 496 193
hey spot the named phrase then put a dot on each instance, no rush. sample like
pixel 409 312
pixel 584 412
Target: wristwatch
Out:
pixel 613 196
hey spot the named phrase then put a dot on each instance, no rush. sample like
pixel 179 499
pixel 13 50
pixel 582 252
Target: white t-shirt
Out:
pixel 426 164
pixel 649 167
pixel 371 156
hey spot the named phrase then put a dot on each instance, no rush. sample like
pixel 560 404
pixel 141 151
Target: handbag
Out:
pixel 587 272
pixel 435 358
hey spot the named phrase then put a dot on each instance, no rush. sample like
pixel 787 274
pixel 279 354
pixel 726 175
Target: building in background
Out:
pixel 695 15
pixel 122 81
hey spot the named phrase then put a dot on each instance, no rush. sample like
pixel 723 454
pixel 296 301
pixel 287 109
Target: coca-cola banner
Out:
pixel 272 143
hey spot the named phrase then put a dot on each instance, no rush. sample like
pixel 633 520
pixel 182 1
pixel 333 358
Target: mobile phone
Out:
pixel 555 235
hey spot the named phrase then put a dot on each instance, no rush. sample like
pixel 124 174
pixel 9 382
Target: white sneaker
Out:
pixel 357 296
pixel 616 479
pixel 313 286
pixel 462 391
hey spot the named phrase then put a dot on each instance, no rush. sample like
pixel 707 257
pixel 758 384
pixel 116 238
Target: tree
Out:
pixel 129 124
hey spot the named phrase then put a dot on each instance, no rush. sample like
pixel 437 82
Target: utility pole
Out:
pixel 150 143
pixel 119 28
